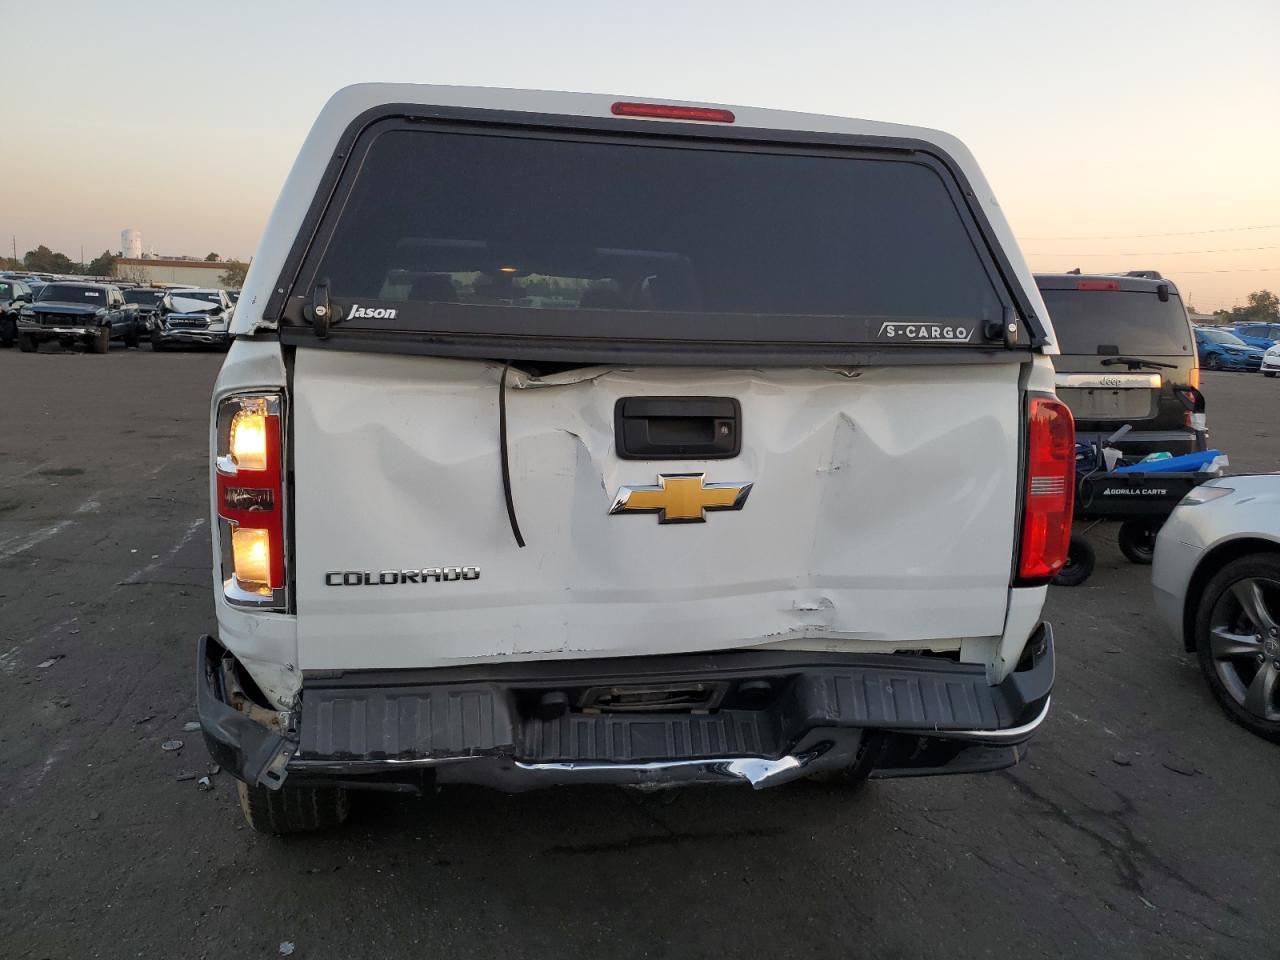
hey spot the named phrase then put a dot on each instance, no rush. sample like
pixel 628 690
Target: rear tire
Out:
pixel 101 342
pixel 131 338
pixel 156 345
pixel 1080 562
pixel 1138 541
pixel 27 343
pixel 293 809
pixel 9 332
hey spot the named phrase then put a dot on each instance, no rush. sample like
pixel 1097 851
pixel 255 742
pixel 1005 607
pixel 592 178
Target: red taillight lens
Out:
pixel 1050 493
pixel 1098 285
pixel 250 472
pixel 666 111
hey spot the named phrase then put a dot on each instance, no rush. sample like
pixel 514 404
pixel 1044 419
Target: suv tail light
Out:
pixel 250 489
pixel 1050 493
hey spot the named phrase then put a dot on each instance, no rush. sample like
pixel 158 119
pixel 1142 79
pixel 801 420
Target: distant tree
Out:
pixel 233 277
pixel 10 263
pixel 102 265
pixel 1262 306
pixel 44 260
pixel 212 258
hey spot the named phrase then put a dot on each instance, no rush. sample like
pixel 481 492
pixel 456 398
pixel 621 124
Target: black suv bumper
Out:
pixel 750 717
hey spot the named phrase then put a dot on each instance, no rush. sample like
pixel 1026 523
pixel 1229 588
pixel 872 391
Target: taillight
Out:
pixel 1194 379
pixel 1050 492
pixel 1098 285
pixel 250 491
pixel 668 111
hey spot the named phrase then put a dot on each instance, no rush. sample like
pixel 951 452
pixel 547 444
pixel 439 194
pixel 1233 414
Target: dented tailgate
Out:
pixel 881 507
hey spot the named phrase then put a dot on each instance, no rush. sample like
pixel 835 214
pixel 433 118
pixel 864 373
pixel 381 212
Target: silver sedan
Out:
pixel 1216 577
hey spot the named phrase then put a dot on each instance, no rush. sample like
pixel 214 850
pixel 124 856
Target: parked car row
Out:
pixel 92 315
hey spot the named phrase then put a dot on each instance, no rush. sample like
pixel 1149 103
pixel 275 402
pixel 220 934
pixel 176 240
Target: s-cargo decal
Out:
pixel 912 332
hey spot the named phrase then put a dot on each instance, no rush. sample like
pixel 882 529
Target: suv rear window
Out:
pixel 1134 322
pixel 795 244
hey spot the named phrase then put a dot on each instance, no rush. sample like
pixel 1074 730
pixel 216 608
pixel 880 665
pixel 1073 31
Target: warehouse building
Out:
pixel 156 270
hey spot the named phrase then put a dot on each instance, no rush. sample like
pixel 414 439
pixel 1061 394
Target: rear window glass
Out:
pixel 146 297
pixel 551 224
pixel 1132 322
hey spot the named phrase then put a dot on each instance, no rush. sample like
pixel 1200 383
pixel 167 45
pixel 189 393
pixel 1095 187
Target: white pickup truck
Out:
pixel 576 439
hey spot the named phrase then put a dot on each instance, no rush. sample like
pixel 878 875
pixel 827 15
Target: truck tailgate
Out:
pixel 882 508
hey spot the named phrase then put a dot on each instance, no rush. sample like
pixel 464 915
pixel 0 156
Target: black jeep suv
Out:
pixel 1126 344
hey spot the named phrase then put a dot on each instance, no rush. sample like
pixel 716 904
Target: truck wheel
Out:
pixel 1237 641
pixel 131 338
pixel 1138 541
pixel 1079 565
pixel 9 331
pixel 101 342
pixel 27 343
pixel 156 345
pixel 293 809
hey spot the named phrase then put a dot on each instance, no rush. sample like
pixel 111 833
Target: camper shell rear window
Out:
pixel 498 238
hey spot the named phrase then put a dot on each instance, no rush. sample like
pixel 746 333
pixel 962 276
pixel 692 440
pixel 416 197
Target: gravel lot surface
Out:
pixel 1137 828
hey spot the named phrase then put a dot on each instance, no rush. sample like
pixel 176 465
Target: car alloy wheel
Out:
pixel 1212 361
pixel 1244 644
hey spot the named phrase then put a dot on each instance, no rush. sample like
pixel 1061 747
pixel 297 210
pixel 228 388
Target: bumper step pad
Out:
pixel 343 721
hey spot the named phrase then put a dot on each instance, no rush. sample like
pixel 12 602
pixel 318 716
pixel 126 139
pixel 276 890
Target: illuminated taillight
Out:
pixel 1194 379
pixel 1050 491
pixel 250 490
pixel 1098 285
pixel 667 111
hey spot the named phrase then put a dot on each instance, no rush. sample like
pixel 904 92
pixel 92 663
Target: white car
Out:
pixel 1271 361
pixel 570 438
pixel 1216 578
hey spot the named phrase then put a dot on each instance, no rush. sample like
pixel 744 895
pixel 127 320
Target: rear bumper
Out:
pixel 1176 442
pixel 767 718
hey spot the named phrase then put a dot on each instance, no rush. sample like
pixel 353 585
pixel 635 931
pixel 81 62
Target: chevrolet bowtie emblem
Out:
pixel 681 498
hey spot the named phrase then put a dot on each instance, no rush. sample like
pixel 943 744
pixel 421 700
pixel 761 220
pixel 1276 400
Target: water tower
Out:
pixel 131 244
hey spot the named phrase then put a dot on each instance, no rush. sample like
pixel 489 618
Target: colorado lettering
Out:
pixel 388 578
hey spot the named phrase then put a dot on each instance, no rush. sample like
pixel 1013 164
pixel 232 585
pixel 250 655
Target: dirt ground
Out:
pixel 1137 828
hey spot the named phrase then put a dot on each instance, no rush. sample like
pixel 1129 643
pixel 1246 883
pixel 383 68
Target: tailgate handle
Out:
pixel 677 428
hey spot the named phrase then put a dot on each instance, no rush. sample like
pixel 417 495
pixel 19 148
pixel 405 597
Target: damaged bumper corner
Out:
pixel 190 337
pixel 240 742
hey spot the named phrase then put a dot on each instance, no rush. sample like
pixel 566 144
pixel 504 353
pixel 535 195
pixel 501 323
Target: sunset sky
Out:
pixel 1148 137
